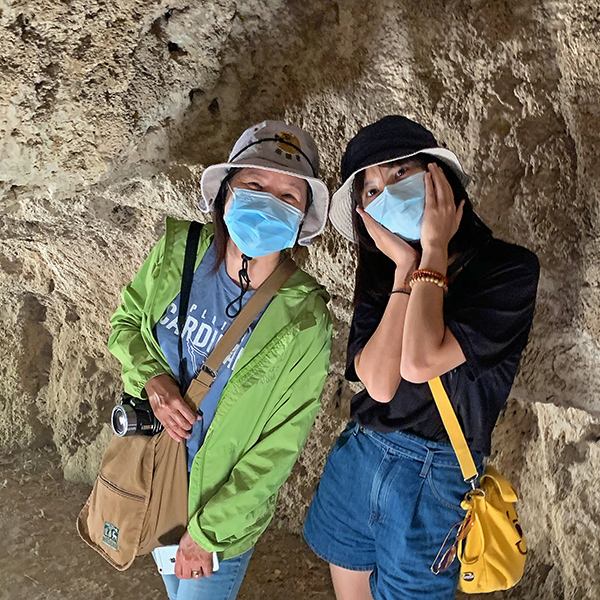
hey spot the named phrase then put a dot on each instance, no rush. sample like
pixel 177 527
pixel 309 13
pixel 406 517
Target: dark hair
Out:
pixel 221 233
pixel 375 272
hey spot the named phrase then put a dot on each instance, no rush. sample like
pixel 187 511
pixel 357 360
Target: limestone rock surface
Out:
pixel 109 112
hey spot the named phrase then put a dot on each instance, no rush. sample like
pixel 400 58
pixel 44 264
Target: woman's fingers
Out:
pixel 178 564
pixel 173 435
pixel 438 188
pixel 443 190
pixel 376 230
pixel 192 561
pixel 442 217
pixel 175 432
pixel 437 183
pixel 459 215
pixel 175 406
pixel 207 567
pixel 182 568
pixel 177 429
pixel 182 414
pixel 180 431
pixel 392 245
pixel 186 412
pixel 174 412
pixel 373 227
pixel 170 408
pixel 430 197
pixel 176 419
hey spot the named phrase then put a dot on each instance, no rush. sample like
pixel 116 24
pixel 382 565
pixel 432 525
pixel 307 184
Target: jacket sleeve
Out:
pixel 236 512
pixel 126 341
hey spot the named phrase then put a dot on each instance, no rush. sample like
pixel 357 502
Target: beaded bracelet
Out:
pixel 429 277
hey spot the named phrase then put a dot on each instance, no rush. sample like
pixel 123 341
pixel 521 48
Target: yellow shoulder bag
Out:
pixel 489 543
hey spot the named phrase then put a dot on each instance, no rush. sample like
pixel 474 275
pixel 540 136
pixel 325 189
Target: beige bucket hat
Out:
pixel 276 146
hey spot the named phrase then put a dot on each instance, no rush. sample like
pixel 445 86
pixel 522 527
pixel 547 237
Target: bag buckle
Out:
pixel 473 482
pixel 475 489
pixel 208 371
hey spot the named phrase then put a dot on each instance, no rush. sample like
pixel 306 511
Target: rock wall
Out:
pixel 109 112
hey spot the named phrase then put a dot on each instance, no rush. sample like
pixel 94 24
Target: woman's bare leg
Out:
pixel 350 585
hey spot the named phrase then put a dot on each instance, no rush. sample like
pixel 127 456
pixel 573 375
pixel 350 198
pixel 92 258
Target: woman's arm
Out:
pixel 430 348
pixel 126 342
pixel 378 363
pixel 144 375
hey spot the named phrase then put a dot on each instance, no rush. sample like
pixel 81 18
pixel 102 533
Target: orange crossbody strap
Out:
pixel 453 428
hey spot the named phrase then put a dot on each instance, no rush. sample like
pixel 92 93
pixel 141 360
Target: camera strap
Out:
pixel 262 296
pixel 189 260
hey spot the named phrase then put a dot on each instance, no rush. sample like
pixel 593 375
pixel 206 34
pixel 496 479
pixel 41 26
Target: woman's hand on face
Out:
pixel 169 407
pixel 393 246
pixel 192 561
pixel 441 217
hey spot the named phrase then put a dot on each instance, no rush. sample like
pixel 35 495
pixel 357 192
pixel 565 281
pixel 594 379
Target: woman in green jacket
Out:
pixel 264 400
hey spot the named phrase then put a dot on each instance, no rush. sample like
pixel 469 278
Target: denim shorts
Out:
pixel 385 504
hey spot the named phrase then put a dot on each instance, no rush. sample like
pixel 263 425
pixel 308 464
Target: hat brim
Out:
pixel 342 203
pixel 316 216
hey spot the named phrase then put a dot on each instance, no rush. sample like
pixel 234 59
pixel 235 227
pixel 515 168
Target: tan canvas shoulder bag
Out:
pixel 140 498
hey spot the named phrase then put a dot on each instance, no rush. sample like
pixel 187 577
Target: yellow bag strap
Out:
pixel 455 433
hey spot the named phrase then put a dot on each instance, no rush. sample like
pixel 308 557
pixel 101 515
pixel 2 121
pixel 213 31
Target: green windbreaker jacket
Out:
pixel 267 408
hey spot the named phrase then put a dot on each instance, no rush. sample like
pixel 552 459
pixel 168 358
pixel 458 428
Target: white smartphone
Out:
pixel 164 557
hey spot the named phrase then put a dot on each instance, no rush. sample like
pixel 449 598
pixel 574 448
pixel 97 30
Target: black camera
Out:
pixel 134 416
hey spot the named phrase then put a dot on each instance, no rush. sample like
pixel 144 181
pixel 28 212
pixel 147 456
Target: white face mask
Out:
pixel 400 207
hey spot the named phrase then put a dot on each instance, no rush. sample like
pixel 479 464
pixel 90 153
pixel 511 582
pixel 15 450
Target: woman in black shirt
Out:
pixel 436 295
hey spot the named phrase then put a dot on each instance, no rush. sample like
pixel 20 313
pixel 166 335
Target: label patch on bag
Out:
pixel 111 536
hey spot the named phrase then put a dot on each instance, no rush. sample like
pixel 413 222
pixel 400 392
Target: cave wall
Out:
pixel 109 111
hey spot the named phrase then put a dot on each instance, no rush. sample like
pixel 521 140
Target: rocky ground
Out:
pixel 42 557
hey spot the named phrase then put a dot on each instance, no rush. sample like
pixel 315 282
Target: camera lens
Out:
pixel 123 419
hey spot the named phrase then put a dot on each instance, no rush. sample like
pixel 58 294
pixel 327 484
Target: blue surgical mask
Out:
pixel 260 223
pixel 400 207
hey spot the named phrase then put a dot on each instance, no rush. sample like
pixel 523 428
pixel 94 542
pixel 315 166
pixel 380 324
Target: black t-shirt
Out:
pixel 489 309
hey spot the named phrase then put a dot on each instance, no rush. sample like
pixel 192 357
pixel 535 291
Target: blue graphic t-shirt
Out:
pixel 206 323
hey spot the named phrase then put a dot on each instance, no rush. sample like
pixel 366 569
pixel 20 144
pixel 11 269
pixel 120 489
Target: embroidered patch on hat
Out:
pixel 288 150
pixel 111 536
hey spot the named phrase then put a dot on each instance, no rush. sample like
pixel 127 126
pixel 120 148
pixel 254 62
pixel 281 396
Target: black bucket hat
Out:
pixel 392 138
